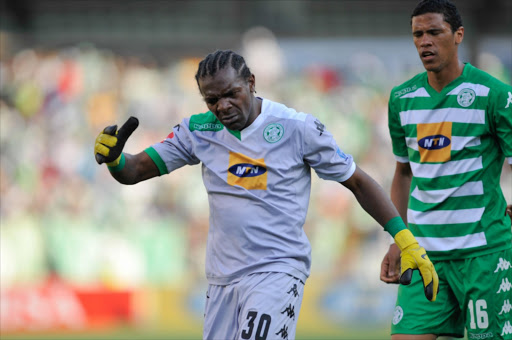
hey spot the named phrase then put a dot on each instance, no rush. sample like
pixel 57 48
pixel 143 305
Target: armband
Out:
pixel 395 225
pixel 118 164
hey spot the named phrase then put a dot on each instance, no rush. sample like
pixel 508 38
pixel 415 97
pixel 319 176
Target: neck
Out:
pixel 255 110
pixel 439 79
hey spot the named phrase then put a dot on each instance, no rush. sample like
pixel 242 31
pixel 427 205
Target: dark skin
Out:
pixel 232 100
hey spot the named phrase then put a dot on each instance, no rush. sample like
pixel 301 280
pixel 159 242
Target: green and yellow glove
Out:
pixel 110 143
pixel 415 257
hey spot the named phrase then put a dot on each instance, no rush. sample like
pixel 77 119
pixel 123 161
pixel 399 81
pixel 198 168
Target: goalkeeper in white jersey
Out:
pixel 451 131
pixel 256 158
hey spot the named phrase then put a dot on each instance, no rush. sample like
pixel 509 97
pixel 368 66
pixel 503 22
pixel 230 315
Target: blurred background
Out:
pixel 83 257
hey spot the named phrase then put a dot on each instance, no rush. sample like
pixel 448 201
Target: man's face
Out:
pixel 229 98
pixel 436 43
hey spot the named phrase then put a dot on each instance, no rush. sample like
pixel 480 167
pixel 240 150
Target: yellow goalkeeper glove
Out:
pixel 110 142
pixel 415 257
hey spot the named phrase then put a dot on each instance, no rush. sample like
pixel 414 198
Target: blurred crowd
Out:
pixel 61 213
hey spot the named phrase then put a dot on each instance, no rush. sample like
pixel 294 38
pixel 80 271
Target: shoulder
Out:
pixel 203 122
pixel 281 111
pixel 410 86
pixel 478 76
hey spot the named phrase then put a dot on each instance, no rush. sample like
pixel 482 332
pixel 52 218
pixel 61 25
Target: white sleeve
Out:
pixel 323 154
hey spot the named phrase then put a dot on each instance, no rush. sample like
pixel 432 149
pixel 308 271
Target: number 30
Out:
pixel 263 326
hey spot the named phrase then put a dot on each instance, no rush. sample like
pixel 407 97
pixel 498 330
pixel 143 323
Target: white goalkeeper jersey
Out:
pixel 258 183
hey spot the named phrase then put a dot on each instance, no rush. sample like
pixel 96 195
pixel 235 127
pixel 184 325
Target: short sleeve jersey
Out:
pixel 456 142
pixel 258 184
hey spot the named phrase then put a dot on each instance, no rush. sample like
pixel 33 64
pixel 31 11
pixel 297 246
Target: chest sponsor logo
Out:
pixel 273 132
pixel 434 142
pixel 466 97
pixel 247 172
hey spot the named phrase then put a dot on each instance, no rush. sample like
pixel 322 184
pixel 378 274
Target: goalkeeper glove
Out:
pixel 415 257
pixel 110 142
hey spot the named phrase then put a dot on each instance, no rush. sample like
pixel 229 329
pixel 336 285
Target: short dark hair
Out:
pixel 220 59
pixel 445 7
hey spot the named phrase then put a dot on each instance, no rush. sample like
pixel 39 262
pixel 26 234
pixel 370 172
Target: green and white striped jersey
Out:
pixel 456 142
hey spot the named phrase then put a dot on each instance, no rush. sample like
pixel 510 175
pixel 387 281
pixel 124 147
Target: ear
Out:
pixel 459 35
pixel 252 83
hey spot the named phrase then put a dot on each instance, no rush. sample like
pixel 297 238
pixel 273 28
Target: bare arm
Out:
pixel 400 188
pixel 139 167
pixel 371 197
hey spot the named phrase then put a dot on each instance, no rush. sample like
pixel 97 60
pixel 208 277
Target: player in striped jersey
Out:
pixel 256 160
pixel 451 131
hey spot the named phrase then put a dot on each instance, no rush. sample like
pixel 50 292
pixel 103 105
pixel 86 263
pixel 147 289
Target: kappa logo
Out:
pixel 319 126
pixel 504 286
pixel 207 127
pixel 404 91
pixel 506 308
pixel 509 100
pixel 503 265
pixel 398 315
pixel 507 329
pixel 480 335
pixel 466 97
pixel 290 311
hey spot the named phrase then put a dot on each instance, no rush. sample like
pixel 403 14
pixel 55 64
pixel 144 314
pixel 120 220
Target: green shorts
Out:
pixel 474 293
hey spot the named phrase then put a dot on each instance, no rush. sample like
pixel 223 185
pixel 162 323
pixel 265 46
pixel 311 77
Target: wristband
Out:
pixel 395 225
pixel 117 165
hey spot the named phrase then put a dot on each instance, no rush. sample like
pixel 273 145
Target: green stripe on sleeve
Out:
pixel 162 168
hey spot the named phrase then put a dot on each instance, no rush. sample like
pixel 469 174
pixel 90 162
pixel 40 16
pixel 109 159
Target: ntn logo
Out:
pixel 247 170
pixel 434 142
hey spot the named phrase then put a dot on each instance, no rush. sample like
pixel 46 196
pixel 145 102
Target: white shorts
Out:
pixel 260 306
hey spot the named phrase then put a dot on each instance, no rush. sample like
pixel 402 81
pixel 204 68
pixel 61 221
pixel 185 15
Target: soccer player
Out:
pixel 256 158
pixel 451 130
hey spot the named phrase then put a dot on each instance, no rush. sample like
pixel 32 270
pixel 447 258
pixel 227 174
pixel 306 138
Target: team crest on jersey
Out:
pixel 466 97
pixel 247 172
pixel 434 142
pixel 273 132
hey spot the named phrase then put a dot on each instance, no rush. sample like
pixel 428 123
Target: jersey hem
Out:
pixel 278 268
pixel 402 159
pixel 487 251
